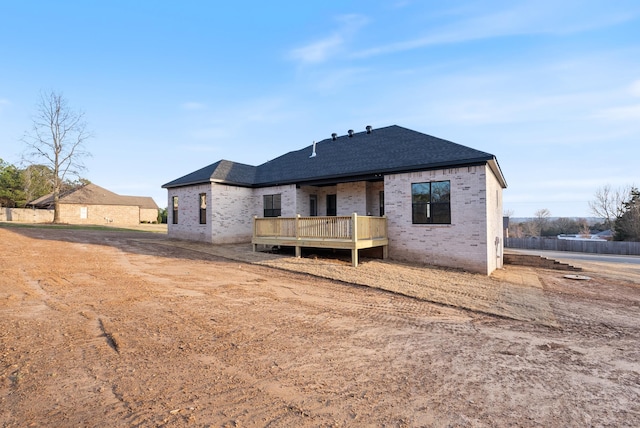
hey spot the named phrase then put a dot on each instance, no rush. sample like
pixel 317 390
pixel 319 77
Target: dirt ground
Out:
pixel 113 328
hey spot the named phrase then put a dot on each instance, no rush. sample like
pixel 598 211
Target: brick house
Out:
pixel 92 204
pixel 442 201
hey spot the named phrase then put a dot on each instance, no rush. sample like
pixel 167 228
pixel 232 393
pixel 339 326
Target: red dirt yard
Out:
pixel 116 328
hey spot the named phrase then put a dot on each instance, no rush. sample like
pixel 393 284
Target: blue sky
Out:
pixel 552 88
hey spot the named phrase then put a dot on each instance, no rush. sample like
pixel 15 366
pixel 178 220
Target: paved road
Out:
pixel 566 255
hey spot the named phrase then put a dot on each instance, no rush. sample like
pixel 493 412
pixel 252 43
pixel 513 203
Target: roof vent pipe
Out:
pixel 334 136
pixel 350 132
pixel 368 129
pixel 313 151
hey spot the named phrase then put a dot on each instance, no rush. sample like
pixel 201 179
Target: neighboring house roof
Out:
pixel 605 234
pixel 359 156
pixel 92 194
pixel 144 202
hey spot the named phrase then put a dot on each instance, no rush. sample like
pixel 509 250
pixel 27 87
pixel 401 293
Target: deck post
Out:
pixel 297 227
pixel 385 248
pixel 354 237
pixel 255 232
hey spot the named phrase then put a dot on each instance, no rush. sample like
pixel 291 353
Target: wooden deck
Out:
pixel 344 232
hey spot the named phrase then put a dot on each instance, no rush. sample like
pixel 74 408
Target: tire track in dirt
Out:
pixel 66 335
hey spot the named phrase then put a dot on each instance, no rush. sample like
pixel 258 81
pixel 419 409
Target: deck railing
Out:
pixel 338 227
pixel 351 232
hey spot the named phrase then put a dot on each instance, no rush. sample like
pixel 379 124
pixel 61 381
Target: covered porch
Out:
pixel 340 232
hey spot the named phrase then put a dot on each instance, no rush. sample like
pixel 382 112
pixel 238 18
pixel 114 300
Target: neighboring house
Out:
pixel 91 204
pixel 442 200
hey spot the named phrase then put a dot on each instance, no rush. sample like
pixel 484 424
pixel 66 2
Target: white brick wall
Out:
pixel 189 226
pixel 321 192
pixel 289 199
pixel 373 197
pixel 232 211
pixel 495 232
pixel 352 198
pixel 461 244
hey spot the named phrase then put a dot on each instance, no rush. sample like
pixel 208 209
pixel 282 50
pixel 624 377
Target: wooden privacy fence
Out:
pixel 345 232
pixel 576 246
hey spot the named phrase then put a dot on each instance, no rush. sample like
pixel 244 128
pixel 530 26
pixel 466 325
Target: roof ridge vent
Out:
pixel 350 132
pixel 368 128
pixel 334 136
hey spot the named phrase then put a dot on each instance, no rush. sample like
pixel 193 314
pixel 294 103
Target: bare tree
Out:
pixel 609 203
pixel 56 140
pixel 541 218
pixel 529 228
pixel 585 230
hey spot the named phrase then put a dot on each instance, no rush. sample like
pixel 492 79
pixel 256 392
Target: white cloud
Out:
pixel 630 112
pixel 318 51
pixel 529 17
pixel 635 88
pixel 329 46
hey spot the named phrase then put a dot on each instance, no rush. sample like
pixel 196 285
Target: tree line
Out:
pixel 619 210
pixel 19 186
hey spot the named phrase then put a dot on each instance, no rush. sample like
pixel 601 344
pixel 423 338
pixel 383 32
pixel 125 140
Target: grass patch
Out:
pixel 9 225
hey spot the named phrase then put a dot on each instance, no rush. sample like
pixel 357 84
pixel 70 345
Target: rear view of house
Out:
pixel 441 201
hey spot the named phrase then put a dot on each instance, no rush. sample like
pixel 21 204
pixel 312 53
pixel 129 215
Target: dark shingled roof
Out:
pixel 222 171
pixel 392 149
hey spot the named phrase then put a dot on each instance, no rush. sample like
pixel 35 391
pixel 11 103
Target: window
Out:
pixel 313 205
pixel 431 202
pixel 203 208
pixel 175 210
pixel 272 207
pixel 381 203
pixel 332 205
